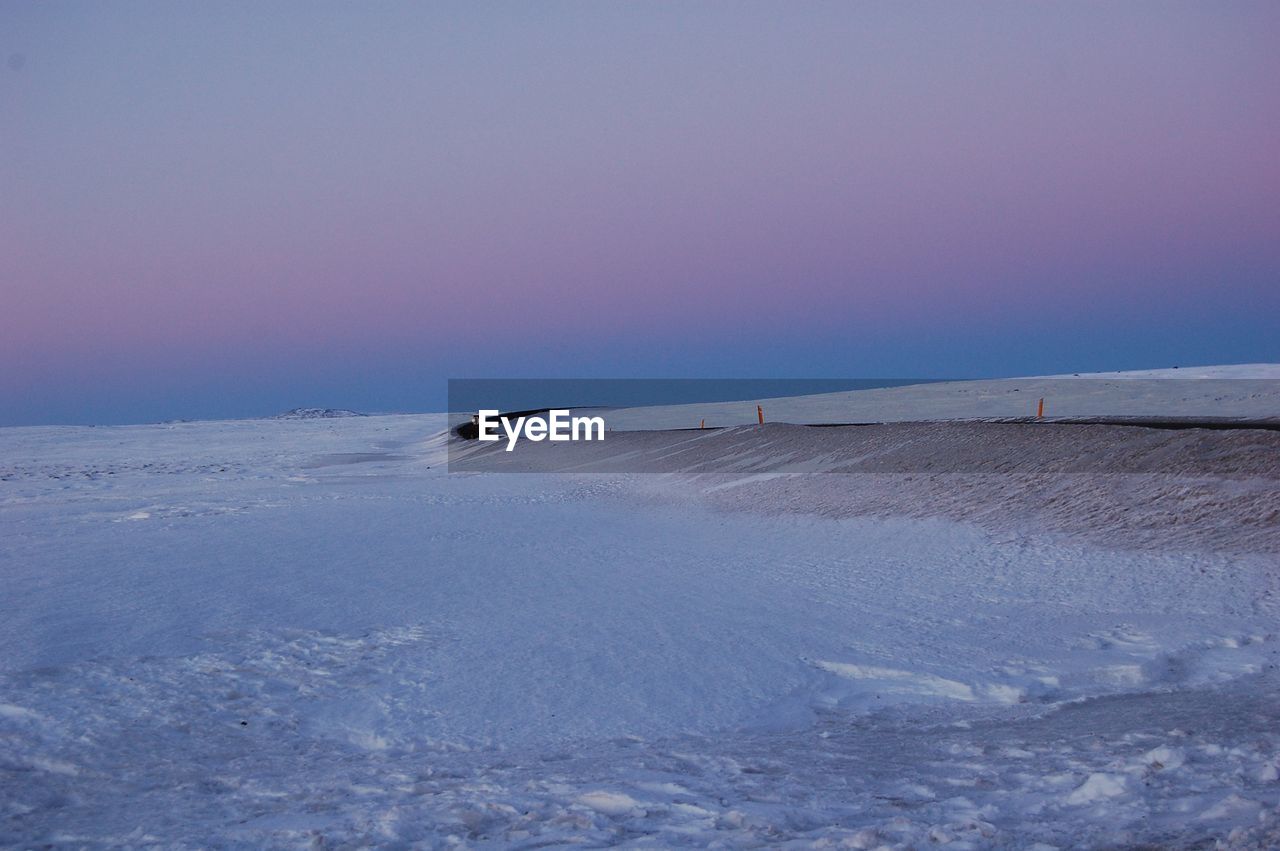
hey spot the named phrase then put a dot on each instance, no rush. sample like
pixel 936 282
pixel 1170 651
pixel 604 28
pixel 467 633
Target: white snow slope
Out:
pixel 1243 390
pixel 307 633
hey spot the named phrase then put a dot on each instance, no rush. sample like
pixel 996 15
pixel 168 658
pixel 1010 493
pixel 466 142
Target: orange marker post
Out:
pixel 1040 409
pixel 760 414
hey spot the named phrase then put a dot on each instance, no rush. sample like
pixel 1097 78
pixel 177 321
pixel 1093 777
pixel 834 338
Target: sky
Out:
pixel 231 209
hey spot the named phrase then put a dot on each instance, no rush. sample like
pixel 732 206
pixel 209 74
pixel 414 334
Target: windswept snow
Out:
pixel 1247 391
pixel 1116 485
pixel 292 632
pixel 1235 371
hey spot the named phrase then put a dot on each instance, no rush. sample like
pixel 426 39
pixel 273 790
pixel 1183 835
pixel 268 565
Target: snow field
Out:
pixel 294 633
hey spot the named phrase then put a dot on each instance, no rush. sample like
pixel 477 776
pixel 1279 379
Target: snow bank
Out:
pixel 1190 489
pixel 1251 391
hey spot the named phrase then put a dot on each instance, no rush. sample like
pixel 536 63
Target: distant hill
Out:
pixel 317 414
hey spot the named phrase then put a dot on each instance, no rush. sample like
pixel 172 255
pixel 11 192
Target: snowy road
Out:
pixel 271 632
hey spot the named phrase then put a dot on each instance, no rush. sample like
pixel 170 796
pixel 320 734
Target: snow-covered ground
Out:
pixel 308 633
pixel 1243 390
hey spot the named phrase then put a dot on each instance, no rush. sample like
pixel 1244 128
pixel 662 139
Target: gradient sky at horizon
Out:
pixel 230 209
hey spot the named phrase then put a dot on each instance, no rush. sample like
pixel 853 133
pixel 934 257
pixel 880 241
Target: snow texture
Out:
pixel 1243 391
pixel 307 633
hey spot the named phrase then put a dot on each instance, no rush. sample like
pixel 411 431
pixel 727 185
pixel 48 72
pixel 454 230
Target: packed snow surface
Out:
pixel 307 632
pixel 1241 391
